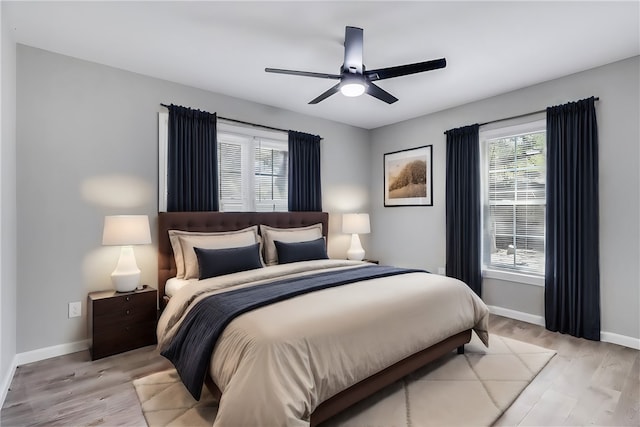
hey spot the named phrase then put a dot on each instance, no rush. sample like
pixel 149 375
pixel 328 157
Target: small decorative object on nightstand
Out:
pixel 355 224
pixel 121 321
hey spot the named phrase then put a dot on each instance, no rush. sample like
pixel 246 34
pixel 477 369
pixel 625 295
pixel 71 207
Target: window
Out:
pixel 252 167
pixel 514 198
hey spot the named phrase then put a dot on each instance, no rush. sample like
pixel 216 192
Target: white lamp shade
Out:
pixel 123 230
pixel 356 223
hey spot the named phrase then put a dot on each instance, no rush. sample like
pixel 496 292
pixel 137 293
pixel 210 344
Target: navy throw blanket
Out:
pixel 191 348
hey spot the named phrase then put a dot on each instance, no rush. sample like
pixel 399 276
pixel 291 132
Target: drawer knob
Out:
pixel 128 298
pixel 128 311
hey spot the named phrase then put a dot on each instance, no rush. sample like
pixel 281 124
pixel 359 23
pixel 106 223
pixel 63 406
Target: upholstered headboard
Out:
pixel 221 221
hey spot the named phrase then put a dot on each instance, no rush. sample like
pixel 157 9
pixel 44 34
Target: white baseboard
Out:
pixel 49 352
pixel 5 382
pixel 622 340
pixel 518 315
pixel 610 337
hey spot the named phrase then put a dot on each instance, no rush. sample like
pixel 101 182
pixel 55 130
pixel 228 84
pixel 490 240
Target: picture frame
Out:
pixel 408 177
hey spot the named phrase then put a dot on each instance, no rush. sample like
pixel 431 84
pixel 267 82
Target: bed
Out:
pixel 319 353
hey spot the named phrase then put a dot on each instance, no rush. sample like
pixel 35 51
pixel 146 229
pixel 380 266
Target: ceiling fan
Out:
pixel 355 79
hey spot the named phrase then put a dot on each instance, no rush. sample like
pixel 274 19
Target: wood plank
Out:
pixel 73 390
pixel 552 409
pixel 627 411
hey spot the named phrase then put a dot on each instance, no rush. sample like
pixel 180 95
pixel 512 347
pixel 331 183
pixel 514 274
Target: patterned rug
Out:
pixel 457 390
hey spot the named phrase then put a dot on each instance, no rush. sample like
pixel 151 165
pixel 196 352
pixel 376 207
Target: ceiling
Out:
pixel 223 47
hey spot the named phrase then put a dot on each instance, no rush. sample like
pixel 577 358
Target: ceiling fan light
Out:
pixel 352 89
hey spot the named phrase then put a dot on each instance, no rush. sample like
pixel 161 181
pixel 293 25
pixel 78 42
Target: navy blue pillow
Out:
pixel 300 251
pixel 216 262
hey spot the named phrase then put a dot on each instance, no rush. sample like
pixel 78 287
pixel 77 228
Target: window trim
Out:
pixel 529 126
pixel 512 276
pixel 522 126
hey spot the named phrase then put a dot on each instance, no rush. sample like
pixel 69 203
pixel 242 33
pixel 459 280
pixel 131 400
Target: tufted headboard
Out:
pixel 221 221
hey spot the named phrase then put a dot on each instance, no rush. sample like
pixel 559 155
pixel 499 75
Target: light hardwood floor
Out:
pixel 586 383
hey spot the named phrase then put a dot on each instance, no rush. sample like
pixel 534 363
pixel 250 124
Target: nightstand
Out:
pixel 121 321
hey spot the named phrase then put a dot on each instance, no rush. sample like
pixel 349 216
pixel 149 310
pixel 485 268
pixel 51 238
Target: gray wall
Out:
pixel 7 204
pixel 87 147
pixel 415 236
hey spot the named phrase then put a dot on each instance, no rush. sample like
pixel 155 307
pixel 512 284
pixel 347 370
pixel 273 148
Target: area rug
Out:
pixel 457 390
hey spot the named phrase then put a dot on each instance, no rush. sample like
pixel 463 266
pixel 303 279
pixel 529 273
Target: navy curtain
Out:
pixel 192 161
pixel 463 206
pixel 305 190
pixel 572 273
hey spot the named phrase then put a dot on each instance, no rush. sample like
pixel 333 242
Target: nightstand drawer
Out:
pixel 120 303
pixel 123 316
pixel 123 338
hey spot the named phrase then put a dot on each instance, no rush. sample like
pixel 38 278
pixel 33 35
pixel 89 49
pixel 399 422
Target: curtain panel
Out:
pixel 192 160
pixel 572 272
pixel 305 189
pixel 463 225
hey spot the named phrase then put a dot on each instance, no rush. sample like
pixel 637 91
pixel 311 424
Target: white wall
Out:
pixel 415 236
pixel 7 205
pixel 87 147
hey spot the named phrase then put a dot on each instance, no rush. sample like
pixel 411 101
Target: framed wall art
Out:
pixel 408 177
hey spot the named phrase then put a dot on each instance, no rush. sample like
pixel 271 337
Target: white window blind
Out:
pixel 233 184
pixel 271 164
pixel 514 181
pixel 253 167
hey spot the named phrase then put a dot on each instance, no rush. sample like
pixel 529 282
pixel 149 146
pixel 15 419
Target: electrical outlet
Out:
pixel 442 271
pixel 75 309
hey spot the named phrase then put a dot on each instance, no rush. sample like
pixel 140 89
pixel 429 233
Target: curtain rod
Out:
pixel 519 116
pixel 247 123
pixel 252 124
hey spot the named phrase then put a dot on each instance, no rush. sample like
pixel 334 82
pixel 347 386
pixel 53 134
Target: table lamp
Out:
pixel 355 224
pixel 125 231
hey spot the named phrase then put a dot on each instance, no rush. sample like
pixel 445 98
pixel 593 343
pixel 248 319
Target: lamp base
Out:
pixel 125 283
pixel 355 252
pixel 126 276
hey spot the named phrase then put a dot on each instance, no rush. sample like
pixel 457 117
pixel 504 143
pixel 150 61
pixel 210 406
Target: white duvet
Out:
pixel 276 364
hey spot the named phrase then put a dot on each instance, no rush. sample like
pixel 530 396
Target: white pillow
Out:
pixel 286 235
pixel 183 243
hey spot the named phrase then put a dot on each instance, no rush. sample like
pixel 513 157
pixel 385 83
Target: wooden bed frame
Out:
pixel 226 221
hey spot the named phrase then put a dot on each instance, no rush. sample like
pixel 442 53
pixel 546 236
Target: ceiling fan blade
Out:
pixel 326 94
pixel 352 50
pixel 403 70
pixel 303 73
pixel 380 93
